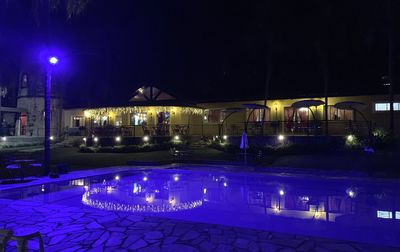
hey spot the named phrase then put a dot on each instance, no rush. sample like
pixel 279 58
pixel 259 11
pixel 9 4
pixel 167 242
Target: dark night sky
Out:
pixel 206 50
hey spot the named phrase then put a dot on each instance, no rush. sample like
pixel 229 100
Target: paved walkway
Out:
pixel 67 228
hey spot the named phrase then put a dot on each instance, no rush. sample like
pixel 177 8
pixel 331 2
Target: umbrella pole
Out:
pixel 245 155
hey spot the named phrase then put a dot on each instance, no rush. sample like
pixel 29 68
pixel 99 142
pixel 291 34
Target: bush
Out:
pixel 146 147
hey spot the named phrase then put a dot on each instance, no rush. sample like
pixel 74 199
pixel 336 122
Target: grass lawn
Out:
pixel 380 164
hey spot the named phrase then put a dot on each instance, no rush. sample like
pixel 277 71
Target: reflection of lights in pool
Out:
pixel 109 189
pixel 125 207
pixel 281 192
pixel 117 177
pixel 144 178
pixel 149 198
pixel 176 178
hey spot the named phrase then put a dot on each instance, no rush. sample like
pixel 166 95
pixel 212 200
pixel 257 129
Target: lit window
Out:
pixel 213 115
pixel 384 214
pixel 138 119
pixel 385 106
pixel 397 216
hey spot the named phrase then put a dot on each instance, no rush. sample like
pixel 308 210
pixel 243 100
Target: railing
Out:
pixel 26 131
pixel 234 129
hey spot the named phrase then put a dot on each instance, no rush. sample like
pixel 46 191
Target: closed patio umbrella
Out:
pixel 244 145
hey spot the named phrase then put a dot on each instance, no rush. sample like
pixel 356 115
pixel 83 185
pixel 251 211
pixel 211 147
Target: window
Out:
pixel 213 115
pixel 340 114
pixel 397 215
pixel 384 214
pixel 78 121
pixel 257 115
pixel 118 120
pixel 138 119
pixel 385 106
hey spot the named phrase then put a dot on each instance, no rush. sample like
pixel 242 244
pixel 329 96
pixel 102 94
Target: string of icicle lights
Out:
pixel 98 112
pixel 111 206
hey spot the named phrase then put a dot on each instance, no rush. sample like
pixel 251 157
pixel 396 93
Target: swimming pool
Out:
pixel 344 209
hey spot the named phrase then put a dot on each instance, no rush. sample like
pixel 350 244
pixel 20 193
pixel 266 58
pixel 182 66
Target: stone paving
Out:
pixel 66 228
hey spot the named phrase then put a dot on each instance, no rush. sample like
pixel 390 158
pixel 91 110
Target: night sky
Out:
pixel 206 50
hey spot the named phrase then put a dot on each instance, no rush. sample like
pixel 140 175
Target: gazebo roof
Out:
pixel 350 105
pixel 307 103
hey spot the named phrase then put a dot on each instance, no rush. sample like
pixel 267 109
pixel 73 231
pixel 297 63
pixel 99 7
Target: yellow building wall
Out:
pixel 277 106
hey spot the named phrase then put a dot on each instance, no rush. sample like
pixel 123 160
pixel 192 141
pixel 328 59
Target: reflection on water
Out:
pixel 358 210
pixel 164 191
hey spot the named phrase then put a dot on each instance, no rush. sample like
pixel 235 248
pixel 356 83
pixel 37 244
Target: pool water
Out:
pixel 344 209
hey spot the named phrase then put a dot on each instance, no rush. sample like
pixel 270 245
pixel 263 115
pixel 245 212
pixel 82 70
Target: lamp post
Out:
pixel 52 61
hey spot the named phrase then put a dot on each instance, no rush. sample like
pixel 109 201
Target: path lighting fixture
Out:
pixel 204 190
pixel 225 137
pixel 3 138
pixel 225 184
pixel 146 138
pixel 176 178
pixel 350 138
pixel 84 139
pixel 117 177
pixel 95 139
pixel 281 137
pixel 51 138
pixel 281 192
pixel 176 138
pixel 118 139
pixel 145 178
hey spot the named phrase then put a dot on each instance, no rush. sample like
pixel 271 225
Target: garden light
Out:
pixel 51 138
pixel 144 178
pixel 84 139
pixel 281 137
pixel 281 192
pixel 176 138
pixel 3 138
pixel 95 139
pixel 118 139
pixel 225 137
pixel 350 138
pixel 146 138
pixel 117 177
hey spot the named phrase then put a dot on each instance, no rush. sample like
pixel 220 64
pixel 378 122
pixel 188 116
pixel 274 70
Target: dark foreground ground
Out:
pixel 379 164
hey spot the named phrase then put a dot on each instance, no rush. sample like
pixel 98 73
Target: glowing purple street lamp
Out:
pixel 52 61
